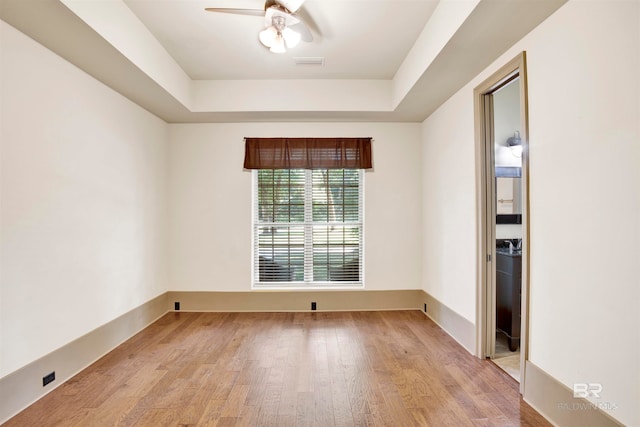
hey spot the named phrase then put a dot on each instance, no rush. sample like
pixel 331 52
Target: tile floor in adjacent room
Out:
pixel 507 360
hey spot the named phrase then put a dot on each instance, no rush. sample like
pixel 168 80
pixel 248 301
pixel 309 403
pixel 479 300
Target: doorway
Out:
pixel 502 165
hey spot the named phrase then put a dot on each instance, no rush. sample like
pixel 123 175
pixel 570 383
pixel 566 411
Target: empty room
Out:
pixel 319 212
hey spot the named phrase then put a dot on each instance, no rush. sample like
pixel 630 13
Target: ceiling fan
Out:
pixel 283 27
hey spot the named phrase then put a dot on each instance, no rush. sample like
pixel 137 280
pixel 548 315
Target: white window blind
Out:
pixel 308 227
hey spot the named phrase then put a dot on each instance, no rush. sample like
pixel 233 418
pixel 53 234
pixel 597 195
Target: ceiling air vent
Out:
pixel 309 60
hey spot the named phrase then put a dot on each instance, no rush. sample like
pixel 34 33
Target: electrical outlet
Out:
pixel 176 306
pixel 48 378
pixel 313 306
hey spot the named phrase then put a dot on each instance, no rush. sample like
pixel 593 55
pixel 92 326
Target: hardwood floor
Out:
pixel 287 369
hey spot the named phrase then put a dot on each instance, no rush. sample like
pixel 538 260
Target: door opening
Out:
pixel 502 165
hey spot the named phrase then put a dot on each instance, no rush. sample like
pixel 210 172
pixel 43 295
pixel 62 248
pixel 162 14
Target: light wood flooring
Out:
pixel 394 368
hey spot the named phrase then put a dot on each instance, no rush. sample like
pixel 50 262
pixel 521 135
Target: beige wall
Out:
pixel 211 203
pixel 448 200
pixel 83 212
pixel 584 115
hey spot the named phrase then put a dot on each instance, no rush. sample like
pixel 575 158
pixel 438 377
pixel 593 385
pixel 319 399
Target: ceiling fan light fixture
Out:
pixel 268 36
pixel 278 45
pixel 291 37
pixel 282 30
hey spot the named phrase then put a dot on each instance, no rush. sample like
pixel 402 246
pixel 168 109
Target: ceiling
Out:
pixel 383 60
pixel 359 39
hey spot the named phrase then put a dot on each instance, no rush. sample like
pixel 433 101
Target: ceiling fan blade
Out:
pixel 250 12
pixel 311 27
pixel 302 29
pixel 291 5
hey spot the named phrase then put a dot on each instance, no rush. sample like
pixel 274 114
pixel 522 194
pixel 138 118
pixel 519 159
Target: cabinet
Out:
pixel 508 296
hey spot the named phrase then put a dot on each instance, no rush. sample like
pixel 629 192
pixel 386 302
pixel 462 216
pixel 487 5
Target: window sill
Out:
pixel 306 287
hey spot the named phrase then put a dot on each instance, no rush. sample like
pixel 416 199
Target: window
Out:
pixel 308 204
pixel 308 227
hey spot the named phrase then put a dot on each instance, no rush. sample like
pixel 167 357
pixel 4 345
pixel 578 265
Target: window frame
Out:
pixel 308 283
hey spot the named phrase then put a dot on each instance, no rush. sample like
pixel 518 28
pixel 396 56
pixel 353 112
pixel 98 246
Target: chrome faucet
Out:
pixel 513 248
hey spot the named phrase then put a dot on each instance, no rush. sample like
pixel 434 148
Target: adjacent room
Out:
pixel 320 212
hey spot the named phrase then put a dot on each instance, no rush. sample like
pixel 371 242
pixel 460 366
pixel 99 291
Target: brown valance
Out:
pixel 307 153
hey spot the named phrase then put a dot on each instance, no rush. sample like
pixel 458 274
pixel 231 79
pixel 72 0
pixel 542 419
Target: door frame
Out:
pixel 485 209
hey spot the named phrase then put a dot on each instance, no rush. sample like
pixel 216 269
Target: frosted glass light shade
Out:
pixel 278 45
pixel 291 37
pixel 268 36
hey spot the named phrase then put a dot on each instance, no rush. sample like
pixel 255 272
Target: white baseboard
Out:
pixel 459 328
pixel 284 300
pixel 556 403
